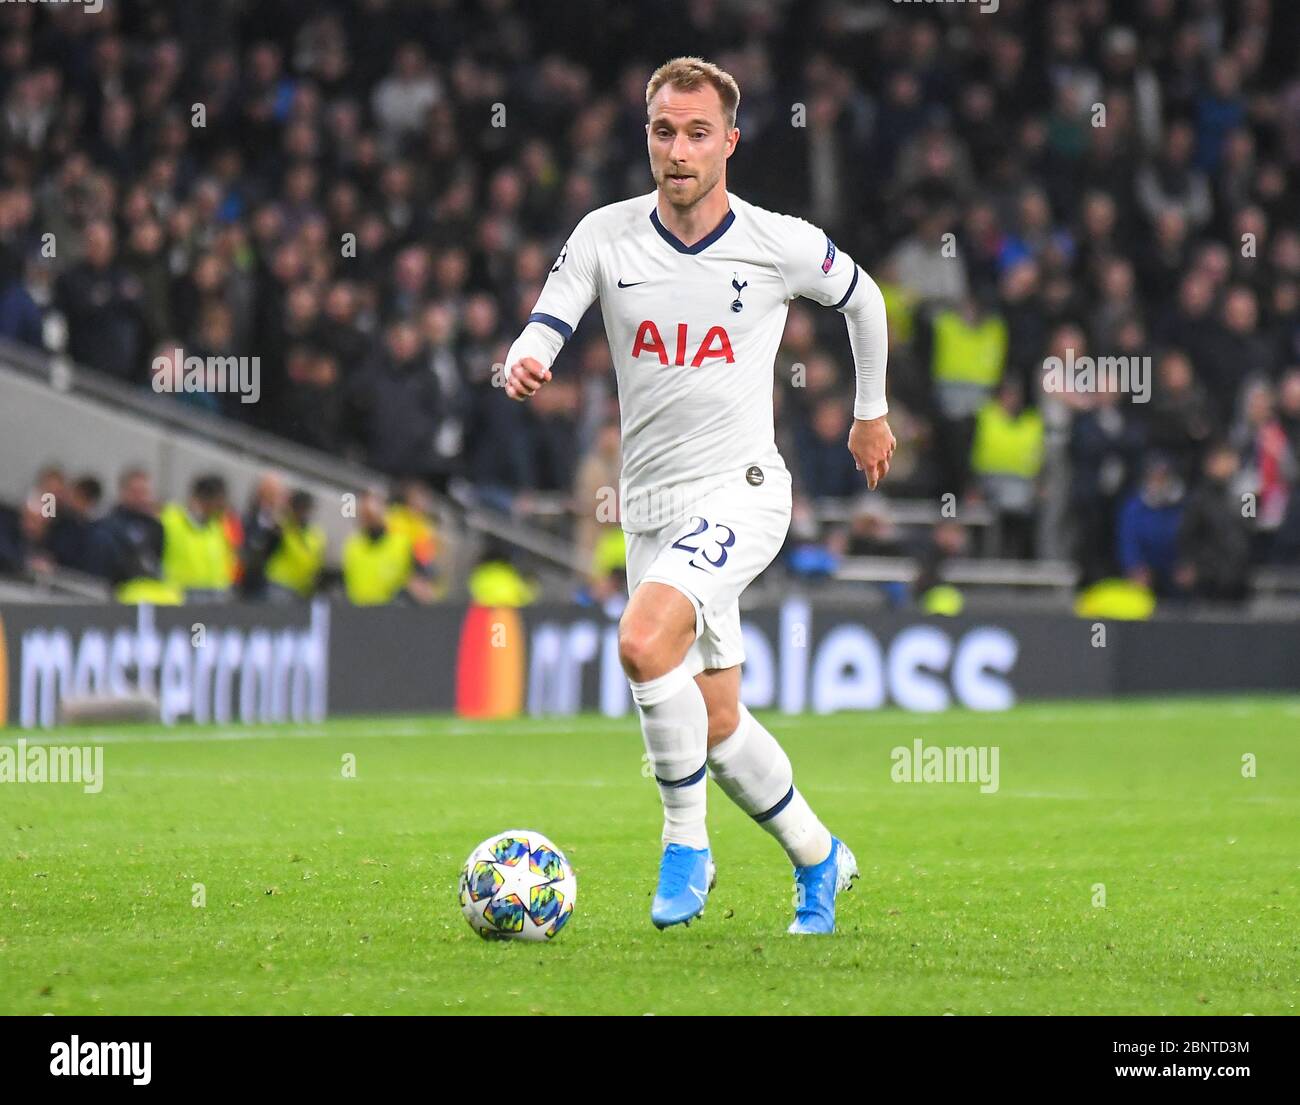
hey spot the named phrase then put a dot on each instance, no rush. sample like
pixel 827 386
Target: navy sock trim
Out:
pixel 694 777
pixel 769 814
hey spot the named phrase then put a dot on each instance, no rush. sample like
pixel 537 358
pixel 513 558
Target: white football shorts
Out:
pixel 727 538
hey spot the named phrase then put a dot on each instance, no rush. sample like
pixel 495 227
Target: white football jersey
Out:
pixel 693 332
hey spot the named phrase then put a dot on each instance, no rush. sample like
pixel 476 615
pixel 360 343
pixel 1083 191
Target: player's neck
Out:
pixel 691 224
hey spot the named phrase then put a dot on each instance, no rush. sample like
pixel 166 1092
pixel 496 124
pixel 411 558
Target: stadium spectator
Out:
pixel 1006 458
pixel 313 400
pixel 948 541
pixel 21 318
pixel 968 358
pixel 102 304
pixel 1238 351
pixel 69 539
pixel 871 531
pixel 1288 409
pixel 199 557
pixel 395 408
pixel 1214 534
pixel 1270 466
pixel 921 265
pixel 1173 183
pixel 128 544
pixel 1147 532
pixel 497 581
pixel 553 422
pixel 261 533
pixel 379 565
pixel 1104 451
pixel 296 564
pixel 1179 419
pixel 826 466
pixel 1189 324
pixel 411 513
pixel 23 535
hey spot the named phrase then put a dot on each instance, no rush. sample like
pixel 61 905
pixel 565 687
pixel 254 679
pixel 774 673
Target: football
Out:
pixel 517 885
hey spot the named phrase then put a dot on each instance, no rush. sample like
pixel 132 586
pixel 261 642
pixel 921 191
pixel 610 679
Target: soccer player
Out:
pixel 694 285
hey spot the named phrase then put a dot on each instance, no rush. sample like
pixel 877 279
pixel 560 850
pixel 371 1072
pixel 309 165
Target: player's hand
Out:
pixel 525 377
pixel 872 445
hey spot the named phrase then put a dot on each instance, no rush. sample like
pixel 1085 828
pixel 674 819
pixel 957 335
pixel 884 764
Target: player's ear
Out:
pixel 733 139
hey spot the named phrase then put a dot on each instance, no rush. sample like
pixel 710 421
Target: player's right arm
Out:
pixel 571 288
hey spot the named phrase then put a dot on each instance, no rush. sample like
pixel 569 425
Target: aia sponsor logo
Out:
pixel 715 346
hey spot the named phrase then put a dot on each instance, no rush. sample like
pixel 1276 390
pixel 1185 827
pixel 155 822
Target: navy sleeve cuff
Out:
pixel 566 331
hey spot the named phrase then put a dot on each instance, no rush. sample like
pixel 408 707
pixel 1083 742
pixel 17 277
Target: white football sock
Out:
pixel 675 724
pixel 756 774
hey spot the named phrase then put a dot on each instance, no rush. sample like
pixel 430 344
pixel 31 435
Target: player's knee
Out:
pixel 723 721
pixel 648 649
pixel 639 650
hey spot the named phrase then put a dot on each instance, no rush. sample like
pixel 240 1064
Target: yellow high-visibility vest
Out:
pixel 498 583
pixel 610 554
pixel 900 310
pixel 147 591
pixel 1117 600
pixel 965 354
pixel 376 570
pixel 298 558
pixel 196 556
pixel 417 528
pixel 1006 446
pixel 943 598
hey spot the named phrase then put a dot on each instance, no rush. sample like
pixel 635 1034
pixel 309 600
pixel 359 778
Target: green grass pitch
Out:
pixel 331 895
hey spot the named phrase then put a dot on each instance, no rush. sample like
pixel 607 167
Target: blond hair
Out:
pixel 688 73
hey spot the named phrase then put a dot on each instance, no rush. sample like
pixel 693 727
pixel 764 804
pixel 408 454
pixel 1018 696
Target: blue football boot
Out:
pixel 686 875
pixel 816 888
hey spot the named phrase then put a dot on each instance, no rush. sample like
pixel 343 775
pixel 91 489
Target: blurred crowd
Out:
pixel 203 549
pixel 367 195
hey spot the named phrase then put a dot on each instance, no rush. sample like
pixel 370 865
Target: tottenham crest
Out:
pixel 736 283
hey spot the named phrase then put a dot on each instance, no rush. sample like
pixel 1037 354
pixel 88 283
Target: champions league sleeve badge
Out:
pixel 830 258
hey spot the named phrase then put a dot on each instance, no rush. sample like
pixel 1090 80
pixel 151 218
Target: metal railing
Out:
pixel 1050 574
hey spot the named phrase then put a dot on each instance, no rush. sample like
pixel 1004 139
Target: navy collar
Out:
pixel 700 246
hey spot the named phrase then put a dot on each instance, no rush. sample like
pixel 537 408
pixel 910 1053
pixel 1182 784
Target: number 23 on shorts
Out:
pixel 701 525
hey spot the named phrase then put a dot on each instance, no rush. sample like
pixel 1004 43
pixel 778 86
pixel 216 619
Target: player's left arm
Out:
pixel 814 268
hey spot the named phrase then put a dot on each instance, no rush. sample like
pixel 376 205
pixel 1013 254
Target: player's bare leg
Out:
pixel 656 631
pixel 721 690
pixel 754 771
